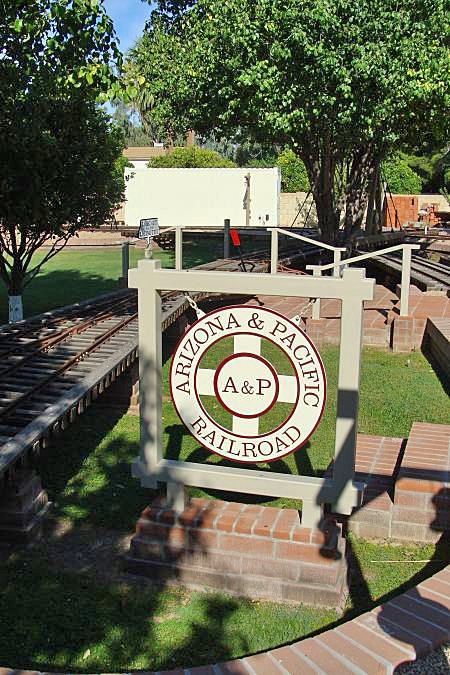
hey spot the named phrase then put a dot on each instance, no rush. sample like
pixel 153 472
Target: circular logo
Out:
pixel 248 383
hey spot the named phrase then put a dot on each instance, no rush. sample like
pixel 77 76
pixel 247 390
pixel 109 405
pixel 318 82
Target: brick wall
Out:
pixel 290 203
pixel 407 210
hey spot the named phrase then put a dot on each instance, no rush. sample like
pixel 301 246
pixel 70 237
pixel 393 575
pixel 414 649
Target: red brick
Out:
pixel 292 662
pixel 301 534
pixel 376 644
pixel 270 568
pixel 417 485
pixel 147 528
pixel 413 516
pixel 437 586
pixel 360 658
pixel 246 545
pixel 207 518
pixel 427 594
pixel 388 612
pixel 306 552
pixel 265 521
pixel 320 657
pixel 285 524
pixel 410 499
pixel 151 513
pixel 429 611
pixel 214 560
pixel 397 634
pixel 233 668
pixel 408 531
pixel 201 670
pixel 254 509
pixel 167 517
pixel 262 663
pixel 202 540
pixel 226 522
pixel 244 524
pixel 189 516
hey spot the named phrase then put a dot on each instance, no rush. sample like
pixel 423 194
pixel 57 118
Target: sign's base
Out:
pixel 247 550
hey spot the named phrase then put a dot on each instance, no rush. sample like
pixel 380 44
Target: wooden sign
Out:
pixel 249 424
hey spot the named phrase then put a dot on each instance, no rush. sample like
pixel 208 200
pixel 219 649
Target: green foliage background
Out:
pixel 401 179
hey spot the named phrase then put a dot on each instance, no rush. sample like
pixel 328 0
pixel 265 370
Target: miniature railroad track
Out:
pixel 52 367
pixel 426 274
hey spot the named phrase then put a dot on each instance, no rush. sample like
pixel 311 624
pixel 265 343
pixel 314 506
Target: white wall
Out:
pixel 201 197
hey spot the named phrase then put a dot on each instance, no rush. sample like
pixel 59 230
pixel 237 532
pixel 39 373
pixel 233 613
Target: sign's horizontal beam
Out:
pixel 352 285
pixel 216 477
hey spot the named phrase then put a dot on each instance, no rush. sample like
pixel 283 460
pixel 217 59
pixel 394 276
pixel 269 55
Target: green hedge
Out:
pixel 190 158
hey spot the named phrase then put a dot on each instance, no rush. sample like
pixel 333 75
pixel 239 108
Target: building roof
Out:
pixel 143 152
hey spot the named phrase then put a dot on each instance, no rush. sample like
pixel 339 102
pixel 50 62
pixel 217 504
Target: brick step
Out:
pixel 241 548
pixel 276 588
pixel 22 517
pixel 10 534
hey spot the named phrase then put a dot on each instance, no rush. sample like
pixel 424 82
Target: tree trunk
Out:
pixel 15 290
pixel 371 205
pixel 320 166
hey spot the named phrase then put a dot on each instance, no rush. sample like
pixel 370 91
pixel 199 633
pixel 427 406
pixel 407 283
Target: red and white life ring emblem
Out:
pixel 230 395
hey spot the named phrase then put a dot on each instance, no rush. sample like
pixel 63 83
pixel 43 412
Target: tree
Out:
pixel 400 178
pixel 294 177
pixel 58 151
pixel 339 82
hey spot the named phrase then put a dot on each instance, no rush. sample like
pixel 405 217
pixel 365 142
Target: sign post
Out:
pixel 148 228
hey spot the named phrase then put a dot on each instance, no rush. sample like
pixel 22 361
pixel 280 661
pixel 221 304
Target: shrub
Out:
pixel 294 177
pixel 401 179
pixel 190 158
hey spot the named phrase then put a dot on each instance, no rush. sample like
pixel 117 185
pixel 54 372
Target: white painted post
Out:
pixel 150 373
pixel 178 248
pixel 176 496
pixel 311 513
pixel 317 272
pixel 348 392
pixel 274 252
pixel 406 277
pixel 336 260
pixel 125 259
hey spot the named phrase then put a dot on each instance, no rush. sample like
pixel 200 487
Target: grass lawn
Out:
pixel 81 623
pixel 75 275
pixel 84 622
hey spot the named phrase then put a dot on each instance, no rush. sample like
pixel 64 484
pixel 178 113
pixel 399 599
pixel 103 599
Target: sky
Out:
pixel 129 17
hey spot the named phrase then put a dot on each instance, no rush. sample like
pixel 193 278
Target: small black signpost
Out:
pixel 148 228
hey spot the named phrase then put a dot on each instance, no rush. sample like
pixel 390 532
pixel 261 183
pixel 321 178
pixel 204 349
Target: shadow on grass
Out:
pixel 82 622
pixel 55 289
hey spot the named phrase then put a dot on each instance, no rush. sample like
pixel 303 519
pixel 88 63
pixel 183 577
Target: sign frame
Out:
pixel 340 490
